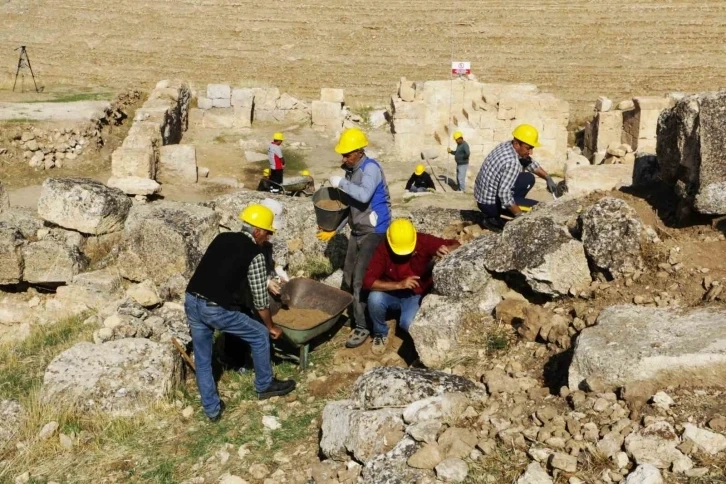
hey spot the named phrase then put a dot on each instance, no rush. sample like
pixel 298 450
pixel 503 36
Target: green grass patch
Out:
pixel 294 160
pixel 23 364
pixel 314 266
pixel 77 97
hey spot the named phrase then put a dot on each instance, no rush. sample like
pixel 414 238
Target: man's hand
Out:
pixel 274 287
pixel 551 185
pixel 409 283
pixel 449 150
pixel 335 181
pixel 275 332
pixel 443 250
pixel 324 235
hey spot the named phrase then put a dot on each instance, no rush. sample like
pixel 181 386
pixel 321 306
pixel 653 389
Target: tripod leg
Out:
pixel 31 70
pixel 20 63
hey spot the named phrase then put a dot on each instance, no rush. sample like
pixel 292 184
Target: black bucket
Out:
pixel 329 220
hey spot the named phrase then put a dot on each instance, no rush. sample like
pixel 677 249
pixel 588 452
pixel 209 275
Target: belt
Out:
pixel 204 298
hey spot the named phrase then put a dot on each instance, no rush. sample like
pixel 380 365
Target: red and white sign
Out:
pixel 460 68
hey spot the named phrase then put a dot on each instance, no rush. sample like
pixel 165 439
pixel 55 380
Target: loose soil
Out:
pixel 331 205
pixel 298 318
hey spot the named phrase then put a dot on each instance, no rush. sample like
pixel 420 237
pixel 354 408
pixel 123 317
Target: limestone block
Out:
pixel 47 261
pixel 11 259
pixel 603 104
pixel 177 164
pixel 138 162
pixel 407 110
pixel 243 97
pixel 121 378
pixel 4 198
pixel 406 90
pixel 632 344
pixel 218 91
pixel 332 95
pixel 221 103
pixel 216 118
pixel 204 103
pixel 327 114
pixel 407 125
pixel 242 117
pixel 435 330
pixel 83 204
pixel 133 185
pixel 604 129
pixel 266 98
pixel 585 179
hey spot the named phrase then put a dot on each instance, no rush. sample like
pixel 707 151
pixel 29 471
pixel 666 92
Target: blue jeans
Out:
pixel 203 319
pixel 415 189
pixel 522 186
pixel 461 176
pixel 379 303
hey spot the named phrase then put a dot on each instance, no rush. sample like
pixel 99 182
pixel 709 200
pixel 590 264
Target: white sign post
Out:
pixel 460 68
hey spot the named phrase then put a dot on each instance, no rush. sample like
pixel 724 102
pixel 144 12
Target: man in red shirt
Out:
pixel 399 275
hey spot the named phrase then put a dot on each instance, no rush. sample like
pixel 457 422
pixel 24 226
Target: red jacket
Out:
pixel 383 266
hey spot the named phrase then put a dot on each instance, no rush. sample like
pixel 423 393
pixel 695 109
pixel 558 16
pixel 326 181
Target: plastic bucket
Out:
pixel 328 219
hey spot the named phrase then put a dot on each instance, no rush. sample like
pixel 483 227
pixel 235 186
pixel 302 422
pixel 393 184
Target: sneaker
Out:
pixel 379 344
pixel 357 338
pixel 493 224
pixel 277 388
pixel 216 418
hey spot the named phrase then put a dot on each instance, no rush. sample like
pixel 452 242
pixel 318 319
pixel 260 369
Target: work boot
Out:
pixel 380 343
pixel 493 224
pixel 216 418
pixel 277 388
pixel 357 338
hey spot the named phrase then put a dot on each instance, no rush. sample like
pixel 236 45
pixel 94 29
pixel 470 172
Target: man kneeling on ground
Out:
pixel 228 287
pixel 399 275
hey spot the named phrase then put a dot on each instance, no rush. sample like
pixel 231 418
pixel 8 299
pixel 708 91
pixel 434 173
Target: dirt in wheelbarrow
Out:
pixel 297 318
pixel 331 205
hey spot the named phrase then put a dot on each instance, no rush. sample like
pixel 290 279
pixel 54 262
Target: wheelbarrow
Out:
pixel 295 186
pixel 308 294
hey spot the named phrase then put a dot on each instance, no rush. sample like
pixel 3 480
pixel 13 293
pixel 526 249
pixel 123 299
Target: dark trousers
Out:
pixel 360 251
pixel 522 186
pixel 276 176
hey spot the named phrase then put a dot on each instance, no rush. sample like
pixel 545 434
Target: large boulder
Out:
pixel 631 344
pixel 435 330
pixel 462 273
pixel 436 220
pixel 611 233
pixel 398 387
pixel 11 257
pixel 177 164
pixel 539 250
pixel 166 240
pixel 83 204
pixel 691 150
pixel 52 262
pixel 121 378
pixel 585 179
pixel 24 219
pixel 363 434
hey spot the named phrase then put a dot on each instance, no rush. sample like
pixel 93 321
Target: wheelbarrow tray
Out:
pixel 296 183
pixel 309 294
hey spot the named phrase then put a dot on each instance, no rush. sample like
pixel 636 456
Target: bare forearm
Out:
pixel 266 316
pixel 540 173
pixel 379 285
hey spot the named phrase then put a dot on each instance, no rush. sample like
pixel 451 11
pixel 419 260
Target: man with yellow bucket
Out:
pixel 369 218
pixel 507 176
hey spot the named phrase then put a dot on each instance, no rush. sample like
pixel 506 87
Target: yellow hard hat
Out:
pixel 266 172
pixel 350 140
pixel 419 169
pixel 258 216
pixel 458 134
pixel 401 236
pixel 526 133
pixel 278 136
pixel 305 173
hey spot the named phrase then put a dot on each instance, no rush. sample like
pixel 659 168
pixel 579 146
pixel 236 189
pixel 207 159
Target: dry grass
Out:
pixel 502 466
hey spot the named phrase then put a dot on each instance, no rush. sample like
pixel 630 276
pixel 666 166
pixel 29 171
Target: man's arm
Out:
pixel 410 182
pixel 364 192
pixel 257 279
pixel 537 169
pixel 506 183
pixel 466 151
pixel 429 181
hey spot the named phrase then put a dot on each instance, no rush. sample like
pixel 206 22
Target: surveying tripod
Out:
pixel 23 62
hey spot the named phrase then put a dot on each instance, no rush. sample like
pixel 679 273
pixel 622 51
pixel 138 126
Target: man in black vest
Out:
pixel 225 293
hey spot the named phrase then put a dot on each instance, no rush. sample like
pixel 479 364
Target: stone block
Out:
pixel 11 259
pixel 407 110
pixel 83 204
pixel 221 103
pixel 177 164
pixel 133 185
pixel 219 118
pixel 327 114
pixel 4 198
pixel 51 262
pixel 435 330
pixel 219 91
pixel 330 95
pixel 406 90
pixel 266 98
pixel 204 103
pixel 603 104
pixel 138 162
pixel 243 97
pixel 585 179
